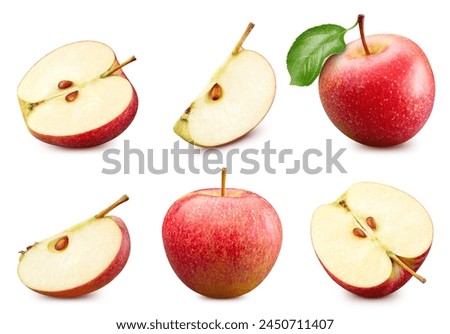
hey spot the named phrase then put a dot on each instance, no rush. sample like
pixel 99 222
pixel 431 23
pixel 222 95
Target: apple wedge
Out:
pixel 235 100
pixel 79 260
pixel 373 239
pixel 77 96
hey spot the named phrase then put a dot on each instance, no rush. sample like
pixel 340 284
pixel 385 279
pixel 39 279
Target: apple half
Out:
pixel 79 260
pixel 77 96
pixel 234 101
pixel 373 239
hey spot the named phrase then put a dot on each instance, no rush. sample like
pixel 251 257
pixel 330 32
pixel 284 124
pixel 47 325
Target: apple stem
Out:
pixel 118 67
pixel 224 178
pixel 103 213
pixel 238 46
pixel 361 32
pixel 402 264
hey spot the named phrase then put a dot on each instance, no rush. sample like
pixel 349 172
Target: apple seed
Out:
pixel 371 222
pixel 238 46
pixel 62 243
pixel 359 233
pixel 63 84
pixel 216 92
pixel 72 96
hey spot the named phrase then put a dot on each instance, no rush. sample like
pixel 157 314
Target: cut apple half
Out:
pixel 373 239
pixel 77 96
pixel 235 100
pixel 79 260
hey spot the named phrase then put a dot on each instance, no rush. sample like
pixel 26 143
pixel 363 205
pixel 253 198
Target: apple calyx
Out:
pixel 363 232
pixel 361 32
pixel 22 252
pixel 105 211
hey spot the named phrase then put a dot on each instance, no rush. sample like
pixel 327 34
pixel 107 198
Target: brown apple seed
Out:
pixel 62 243
pixel 359 233
pixel 72 96
pixel 216 92
pixel 371 222
pixel 63 84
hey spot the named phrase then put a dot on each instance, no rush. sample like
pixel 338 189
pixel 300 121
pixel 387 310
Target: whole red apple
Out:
pixel 382 98
pixel 222 244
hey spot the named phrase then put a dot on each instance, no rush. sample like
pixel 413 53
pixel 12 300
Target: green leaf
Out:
pixel 309 51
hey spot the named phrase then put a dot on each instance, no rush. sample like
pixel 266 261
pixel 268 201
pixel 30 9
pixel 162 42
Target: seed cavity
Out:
pixel 216 92
pixel 71 96
pixel 371 222
pixel 62 243
pixel 359 233
pixel 63 84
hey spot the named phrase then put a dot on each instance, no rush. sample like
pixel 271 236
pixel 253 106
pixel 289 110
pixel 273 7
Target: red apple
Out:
pixel 372 239
pixel 222 243
pixel 381 99
pixel 77 96
pixel 79 260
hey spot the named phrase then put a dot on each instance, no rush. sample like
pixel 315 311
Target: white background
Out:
pixel 178 45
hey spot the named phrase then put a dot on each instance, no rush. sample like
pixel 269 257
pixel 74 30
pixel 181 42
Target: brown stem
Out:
pixel 361 32
pixel 238 46
pixel 224 178
pixel 103 213
pixel 215 92
pixel 118 67
pixel 402 264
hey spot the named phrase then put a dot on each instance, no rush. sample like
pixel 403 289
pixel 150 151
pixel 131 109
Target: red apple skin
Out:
pixel 222 247
pixel 379 100
pixel 398 278
pixel 99 135
pixel 114 268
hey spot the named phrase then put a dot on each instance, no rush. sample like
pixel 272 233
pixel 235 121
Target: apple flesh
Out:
pixel 233 102
pixel 77 96
pixel 382 99
pixel 222 246
pixel 373 239
pixel 79 260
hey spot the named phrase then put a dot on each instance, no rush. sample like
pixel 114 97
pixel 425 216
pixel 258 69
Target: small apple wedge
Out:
pixel 373 239
pixel 77 96
pixel 79 260
pixel 235 100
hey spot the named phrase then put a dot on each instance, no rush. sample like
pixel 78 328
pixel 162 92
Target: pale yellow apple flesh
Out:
pixel 86 101
pixel 91 248
pixel 361 237
pixel 235 100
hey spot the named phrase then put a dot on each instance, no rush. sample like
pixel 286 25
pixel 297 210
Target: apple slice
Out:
pixel 77 96
pixel 79 260
pixel 235 100
pixel 373 239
